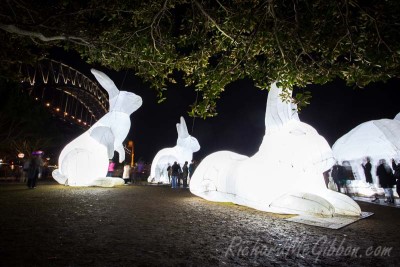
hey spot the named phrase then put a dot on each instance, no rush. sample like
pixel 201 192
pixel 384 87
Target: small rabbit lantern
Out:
pixel 186 145
pixel 84 161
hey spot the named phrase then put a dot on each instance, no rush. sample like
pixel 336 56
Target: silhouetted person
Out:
pixel 367 171
pixel 175 174
pixel 169 172
pixel 26 170
pixel 339 176
pixel 140 168
pixel 178 181
pixel 326 177
pixel 386 180
pixel 126 173
pixel 185 173
pixel 396 168
pixel 111 167
pixel 35 165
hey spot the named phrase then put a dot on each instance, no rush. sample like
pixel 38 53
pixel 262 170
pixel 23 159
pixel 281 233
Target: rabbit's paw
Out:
pixel 343 204
pixel 59 177
pixel 107 182
pixel 302 203
pixel 104 136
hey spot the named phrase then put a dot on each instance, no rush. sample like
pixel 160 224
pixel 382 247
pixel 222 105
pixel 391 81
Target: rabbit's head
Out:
pixel 184 139
pixel 305 147
pixel 121 101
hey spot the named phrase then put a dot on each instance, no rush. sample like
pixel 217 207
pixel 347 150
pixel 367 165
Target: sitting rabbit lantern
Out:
pixel 84 161
pixel 186 145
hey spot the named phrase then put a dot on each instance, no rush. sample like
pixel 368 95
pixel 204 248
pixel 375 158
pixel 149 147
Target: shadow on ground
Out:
pixel 54 225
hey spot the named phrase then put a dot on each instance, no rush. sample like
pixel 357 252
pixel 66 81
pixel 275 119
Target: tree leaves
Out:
pixel 213 43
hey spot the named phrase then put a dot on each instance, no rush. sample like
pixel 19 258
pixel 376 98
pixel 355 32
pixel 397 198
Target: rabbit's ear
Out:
pixel 106 83
pixel 178 129
pixel 278 112
pixel 184 130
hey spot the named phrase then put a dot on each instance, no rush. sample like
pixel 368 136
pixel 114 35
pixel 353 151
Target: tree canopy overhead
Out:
pixel 212 43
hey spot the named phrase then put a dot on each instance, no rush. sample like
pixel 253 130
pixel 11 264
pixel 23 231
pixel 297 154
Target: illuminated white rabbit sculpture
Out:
pixel 84 161
pixel 186 145
pixel 284 176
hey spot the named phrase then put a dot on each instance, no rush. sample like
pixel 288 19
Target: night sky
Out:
pixel 335 109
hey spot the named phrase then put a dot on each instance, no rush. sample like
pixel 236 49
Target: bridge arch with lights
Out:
pixel 65 91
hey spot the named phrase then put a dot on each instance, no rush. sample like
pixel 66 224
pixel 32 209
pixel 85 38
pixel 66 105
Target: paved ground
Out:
pixel 54 225
pixel 381 201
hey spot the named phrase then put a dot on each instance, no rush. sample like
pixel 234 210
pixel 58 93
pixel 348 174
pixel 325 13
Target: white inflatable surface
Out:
pixel 284 176
pixel 186 145
pixel 376 139
pixel 84 161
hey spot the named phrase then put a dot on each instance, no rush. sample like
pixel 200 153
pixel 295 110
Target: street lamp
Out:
pixel 131 146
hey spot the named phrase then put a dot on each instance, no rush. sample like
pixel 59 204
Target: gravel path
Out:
pixel 54 225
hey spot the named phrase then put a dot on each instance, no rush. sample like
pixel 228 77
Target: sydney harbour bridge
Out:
pixel 65 92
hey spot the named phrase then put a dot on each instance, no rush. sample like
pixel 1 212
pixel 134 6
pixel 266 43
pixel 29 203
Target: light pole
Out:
pixel 131 146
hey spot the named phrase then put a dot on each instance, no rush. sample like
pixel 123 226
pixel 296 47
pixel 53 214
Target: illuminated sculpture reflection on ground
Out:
pixel 376 139
pixel 284 176
pixel 84 161
pixel 186 145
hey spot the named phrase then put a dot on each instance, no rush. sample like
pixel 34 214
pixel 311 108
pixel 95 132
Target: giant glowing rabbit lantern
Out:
pixel 84 161
pixel 284 176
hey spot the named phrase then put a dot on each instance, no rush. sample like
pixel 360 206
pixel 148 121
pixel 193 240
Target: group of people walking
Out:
pixel 387 177
pixel 176 173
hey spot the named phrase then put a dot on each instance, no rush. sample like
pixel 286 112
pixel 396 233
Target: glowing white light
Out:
pixel 376 139
pixel 284 176
pixel 84 161
pixel 186 145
